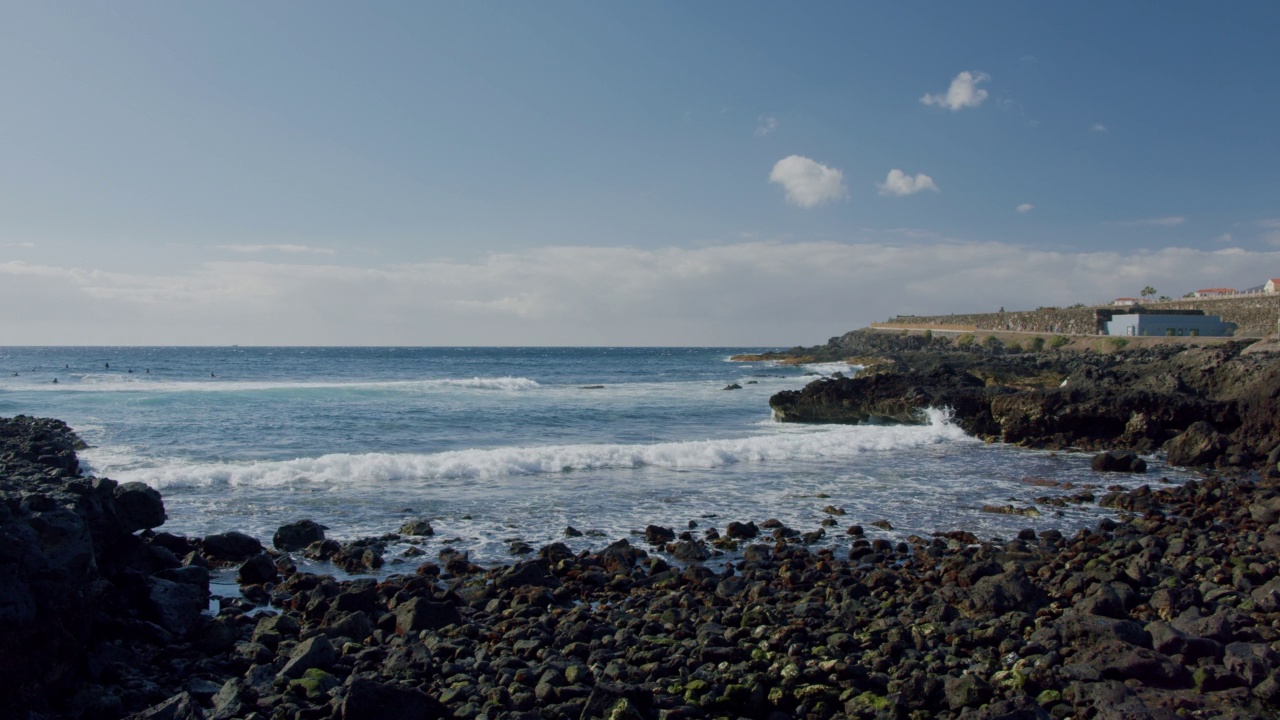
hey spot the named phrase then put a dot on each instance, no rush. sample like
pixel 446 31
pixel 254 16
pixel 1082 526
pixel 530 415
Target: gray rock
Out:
pixel 366 699
pixel 1078 628
pixel 1199 445
pixel 1118 461
pixel 1251 662
pixel 966 691
pixel 176 606
pixel 418 528
pixel 298 535
pixel 179 707
pixel 138 506
pixel 998 594
pixel 420 614
pixel 313 653
pixel 529 572
pixel 231 546
pixel 257 570
pixel 1169 640
pixel 1118 660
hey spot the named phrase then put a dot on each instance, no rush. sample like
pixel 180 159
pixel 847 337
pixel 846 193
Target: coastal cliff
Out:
pixel 1205 405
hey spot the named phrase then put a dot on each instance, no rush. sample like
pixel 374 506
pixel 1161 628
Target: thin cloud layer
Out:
pixel 808 183
pixel 1169 221
pixel 1025 208
pixel 963 92
pixel 284 248
pixel 898 184
pixel 590 296
pixel 766 125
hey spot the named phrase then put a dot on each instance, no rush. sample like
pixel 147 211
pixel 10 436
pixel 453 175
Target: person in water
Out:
pixel 55 381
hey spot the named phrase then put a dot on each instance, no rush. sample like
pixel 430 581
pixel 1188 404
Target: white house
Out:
pixel 1125 301
pixel 1215 292
pixel 1272 286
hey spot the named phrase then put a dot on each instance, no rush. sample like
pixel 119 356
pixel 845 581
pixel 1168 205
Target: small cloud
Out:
pixel 285 248
pixel 808 183
pixel 1025 208
pixel 1170 221
pixel 963 93
pixel 899 184
pixel 1225 238
pixel 1098 128
pixel 766 125
pixel 20 245
pixel 1269 223
pixel 1028 59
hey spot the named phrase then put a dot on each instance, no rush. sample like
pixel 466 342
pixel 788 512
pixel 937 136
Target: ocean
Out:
pixel 497 444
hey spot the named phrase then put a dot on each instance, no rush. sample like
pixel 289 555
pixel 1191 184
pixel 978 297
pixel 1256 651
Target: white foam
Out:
pixel 831 367
pixel 342 469
pixel 102 383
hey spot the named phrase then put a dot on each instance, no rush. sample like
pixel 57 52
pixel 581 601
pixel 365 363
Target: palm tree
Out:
pixel 1148 291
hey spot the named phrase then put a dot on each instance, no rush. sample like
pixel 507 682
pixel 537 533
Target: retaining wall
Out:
pixel 1254 316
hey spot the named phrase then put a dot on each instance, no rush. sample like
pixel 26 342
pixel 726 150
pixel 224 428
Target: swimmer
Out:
pixel 55 381
pixel 107 365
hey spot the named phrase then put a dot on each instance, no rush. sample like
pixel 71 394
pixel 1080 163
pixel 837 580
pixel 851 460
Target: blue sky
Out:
pixel 610 173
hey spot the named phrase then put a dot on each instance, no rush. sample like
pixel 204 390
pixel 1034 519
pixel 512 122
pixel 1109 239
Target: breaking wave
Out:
pixel 342 469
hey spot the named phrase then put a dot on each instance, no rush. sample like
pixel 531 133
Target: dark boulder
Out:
pixel 367 699
pixel 138 506
pixel 298 535
pixel 257 570
pixel 1201 444
pixel 1118 461
pixel 419 527
pixel 658 535
pixel 422 614
pixel 231 546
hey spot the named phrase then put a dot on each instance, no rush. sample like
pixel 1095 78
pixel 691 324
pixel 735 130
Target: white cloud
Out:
pixel 1170 221
pixel 1025 208
pixel 766 125
pixel 1225 238
pixel 588 295
pixel 1098 128
pixel 19 245
pixel 284 248
pixel 808 183
pixel 963 93
pixel 898 184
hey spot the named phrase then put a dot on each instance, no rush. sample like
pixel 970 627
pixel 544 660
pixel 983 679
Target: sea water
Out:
pixel 497 444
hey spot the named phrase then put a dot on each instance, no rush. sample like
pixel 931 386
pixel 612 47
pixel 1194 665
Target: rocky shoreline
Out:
pixel 1201 405
pixel 1172 609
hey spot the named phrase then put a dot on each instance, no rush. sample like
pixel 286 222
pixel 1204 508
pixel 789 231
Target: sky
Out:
pixel 607 173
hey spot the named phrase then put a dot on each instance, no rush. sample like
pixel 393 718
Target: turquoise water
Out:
pixel 493 444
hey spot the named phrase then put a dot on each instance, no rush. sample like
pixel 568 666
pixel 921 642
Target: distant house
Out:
pixel 1125 301
pixel 1215 292
pixel 1168 325
pixel 1272 286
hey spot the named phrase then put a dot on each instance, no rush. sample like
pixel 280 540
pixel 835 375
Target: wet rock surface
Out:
pixel 1171 609
pixel 1212 406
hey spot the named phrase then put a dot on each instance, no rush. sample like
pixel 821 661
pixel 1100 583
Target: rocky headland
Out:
pixel 1171 609
pixel 1215 405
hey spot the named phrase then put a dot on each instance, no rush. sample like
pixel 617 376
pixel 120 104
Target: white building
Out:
pixel 1272 286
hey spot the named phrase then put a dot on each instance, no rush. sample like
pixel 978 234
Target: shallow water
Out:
pixel 493 444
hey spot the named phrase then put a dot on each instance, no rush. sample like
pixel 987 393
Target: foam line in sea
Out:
pixel 376 468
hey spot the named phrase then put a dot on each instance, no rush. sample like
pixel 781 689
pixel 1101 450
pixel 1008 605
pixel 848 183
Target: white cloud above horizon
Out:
pixel 765 125
pixel 23 245
pixel 962 93
pixel 1225 238
pixel 808 183
pixel 284 248
pixel 1025 208
pixel 747 293
pixel 1098 127
pixel 900 184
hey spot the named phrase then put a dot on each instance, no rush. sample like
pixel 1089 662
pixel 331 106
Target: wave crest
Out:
pixel 789 443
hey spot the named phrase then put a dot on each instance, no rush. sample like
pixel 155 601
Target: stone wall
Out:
pixel 1254 315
